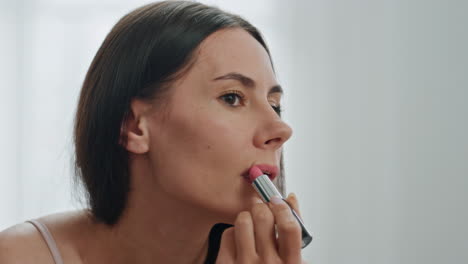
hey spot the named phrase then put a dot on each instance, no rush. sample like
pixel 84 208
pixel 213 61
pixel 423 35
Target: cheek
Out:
pixel 199 158
pixel 202 143
pixel 203 132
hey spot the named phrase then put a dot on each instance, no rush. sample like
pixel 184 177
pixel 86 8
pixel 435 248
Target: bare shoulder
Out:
pixel 22 243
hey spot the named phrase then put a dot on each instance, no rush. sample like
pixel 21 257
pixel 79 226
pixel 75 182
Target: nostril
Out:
pixel 273 140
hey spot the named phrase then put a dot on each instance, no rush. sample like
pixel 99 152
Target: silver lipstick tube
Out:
pixel 266 189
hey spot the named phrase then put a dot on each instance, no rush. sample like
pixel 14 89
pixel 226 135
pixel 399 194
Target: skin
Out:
pixel 185 163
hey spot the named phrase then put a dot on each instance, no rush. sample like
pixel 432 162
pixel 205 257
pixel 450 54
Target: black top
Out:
pixel 214 241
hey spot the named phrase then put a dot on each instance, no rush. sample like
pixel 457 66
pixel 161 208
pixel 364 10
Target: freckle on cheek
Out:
pixel 208 147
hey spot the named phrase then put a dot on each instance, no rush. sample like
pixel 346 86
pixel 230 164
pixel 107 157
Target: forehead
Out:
pixel 234 50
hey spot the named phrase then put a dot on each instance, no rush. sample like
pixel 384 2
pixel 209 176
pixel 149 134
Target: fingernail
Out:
pixel 257 200
pixel 292 195
pixel 276 200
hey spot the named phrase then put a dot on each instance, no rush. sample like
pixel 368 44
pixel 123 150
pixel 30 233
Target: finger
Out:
pixel 227 247
pixel 293 202
pixel 289 231
pixel 244 237
pixel 264 225
pixel 255 200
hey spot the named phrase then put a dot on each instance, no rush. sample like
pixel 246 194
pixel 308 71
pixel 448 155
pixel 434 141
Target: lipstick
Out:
pixel 266 189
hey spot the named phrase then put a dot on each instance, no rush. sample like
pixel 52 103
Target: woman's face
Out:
pixel 214 129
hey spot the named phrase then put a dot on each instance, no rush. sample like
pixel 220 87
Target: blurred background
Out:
pixel 376 92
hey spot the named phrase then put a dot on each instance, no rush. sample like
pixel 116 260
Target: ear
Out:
pixel 134 134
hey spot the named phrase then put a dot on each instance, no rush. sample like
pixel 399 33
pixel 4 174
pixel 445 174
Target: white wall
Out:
pixel 381 148
pixel 375 93
pixel 9 107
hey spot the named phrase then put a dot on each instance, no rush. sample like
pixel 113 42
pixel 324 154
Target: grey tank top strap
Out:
pixel 48 239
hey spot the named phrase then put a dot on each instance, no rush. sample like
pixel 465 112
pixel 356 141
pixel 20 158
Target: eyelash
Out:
pixel 241 96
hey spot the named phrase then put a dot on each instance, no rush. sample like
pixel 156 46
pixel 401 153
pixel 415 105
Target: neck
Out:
pixel 164 231
pixel 156 227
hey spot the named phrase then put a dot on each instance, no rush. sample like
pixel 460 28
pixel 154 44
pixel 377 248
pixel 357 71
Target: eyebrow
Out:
pixel 247 82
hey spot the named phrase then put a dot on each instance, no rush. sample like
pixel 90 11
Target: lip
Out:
pixel 270 169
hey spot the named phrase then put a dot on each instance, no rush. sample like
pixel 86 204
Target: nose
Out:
pixel 272 133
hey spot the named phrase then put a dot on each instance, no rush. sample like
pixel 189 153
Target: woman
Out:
pixel 179 102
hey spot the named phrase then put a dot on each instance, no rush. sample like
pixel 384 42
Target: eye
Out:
pixel 277 109
pixel 232 97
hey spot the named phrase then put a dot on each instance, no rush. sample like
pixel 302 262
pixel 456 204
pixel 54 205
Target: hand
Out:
pixel 253 239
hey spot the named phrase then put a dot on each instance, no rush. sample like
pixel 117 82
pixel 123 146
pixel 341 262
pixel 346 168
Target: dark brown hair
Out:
pixel 143 53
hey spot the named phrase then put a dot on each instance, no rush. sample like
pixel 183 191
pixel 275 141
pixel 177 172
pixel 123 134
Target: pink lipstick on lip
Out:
pixel 259 169
pixel 266 189
pixel 254 173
